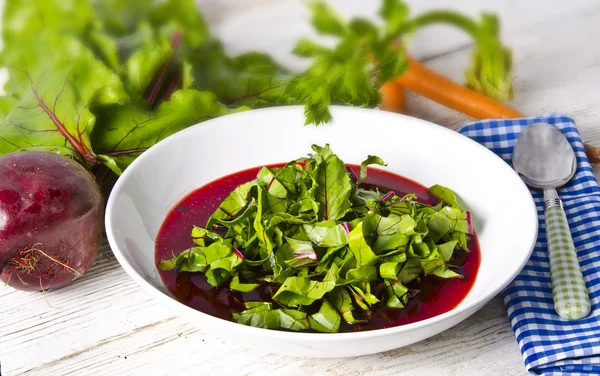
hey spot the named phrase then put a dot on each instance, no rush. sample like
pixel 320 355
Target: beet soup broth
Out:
pixel 436 295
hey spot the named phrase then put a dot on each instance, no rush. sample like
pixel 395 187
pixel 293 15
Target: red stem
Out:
pixel 161 76
pixel 79 147
pixel 250 95
pixel 174 85
pixel 124 152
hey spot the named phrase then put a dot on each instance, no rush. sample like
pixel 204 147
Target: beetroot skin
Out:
pixel 51 214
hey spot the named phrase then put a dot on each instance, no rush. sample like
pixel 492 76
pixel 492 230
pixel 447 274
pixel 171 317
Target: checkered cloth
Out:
pixel 551 345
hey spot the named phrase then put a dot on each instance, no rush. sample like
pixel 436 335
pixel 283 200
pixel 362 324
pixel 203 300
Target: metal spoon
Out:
pixel 545 160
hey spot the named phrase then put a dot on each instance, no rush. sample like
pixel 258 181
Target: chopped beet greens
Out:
pixel 325 250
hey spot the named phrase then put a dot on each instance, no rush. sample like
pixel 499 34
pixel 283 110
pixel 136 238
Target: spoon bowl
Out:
pixel 543 157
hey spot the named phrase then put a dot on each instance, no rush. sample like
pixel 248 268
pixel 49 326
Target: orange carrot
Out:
pixel 438 88
pixel 592 152
pixel 393 97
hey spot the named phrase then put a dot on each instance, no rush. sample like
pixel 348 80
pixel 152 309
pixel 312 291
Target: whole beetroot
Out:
pixel 50 220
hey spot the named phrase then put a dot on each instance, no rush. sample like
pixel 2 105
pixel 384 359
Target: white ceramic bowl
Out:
pixel 505 218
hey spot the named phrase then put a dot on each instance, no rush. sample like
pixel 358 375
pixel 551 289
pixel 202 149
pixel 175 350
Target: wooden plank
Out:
pixel 37 328
pixel 484 342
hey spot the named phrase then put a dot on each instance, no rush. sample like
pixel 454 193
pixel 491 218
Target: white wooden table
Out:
pixel 104 324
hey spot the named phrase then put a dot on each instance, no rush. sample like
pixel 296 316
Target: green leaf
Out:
pixel 401 206
pixel 297 291
pixel 222 269
pixel 301 291
pixel 129 130
pixel 268 180
pixel 302 249
pixel 338 76
pixel 121 17
pixel 444 194
pixel 104 47
pixel 390 242
pixel 446 249
pixel 21 19
pixel 258 306
pixel 371 159
pixel 6 104
pixel 216 251
pixel 446 273
pixel 433 262
pixel 490 71
pixel 446 220
pixel 55 99
pixel 198 259
pixel 325 20
pixel 328 257
pixel 341 300
pixel 397 294
pixel 363 254
pixel 251 79
pixel 263 234
pixel 258 318
pixel 363 298
pixel 292 319
pixel 289 219
pixel 190 260
pixel 389 270
pixel 327 320
pixel 171 16
pixel 217 261
pixel 307 48
pixel 288 176
pixel 144 64
pixel 394 224
pixel 363 28
pixel 202 237
pixel 265 317
pixel 326 234
pixel 233 204
pixel 333 184
pixel 358 299
pixel 410 270
pixel 395 13
pixel 439 225
pixel 365 273
pixel 306 190
pixel 236 285
pixel 461 238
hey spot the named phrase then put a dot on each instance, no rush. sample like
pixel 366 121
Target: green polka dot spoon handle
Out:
pixel 571 300
pixel 544 159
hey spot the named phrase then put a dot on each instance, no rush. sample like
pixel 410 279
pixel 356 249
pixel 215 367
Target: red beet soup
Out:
pixel 436 295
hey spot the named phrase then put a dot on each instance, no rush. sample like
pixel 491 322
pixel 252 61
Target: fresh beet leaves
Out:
pixel 126 131
pixel 104 68
pixel 330 250
pixel 84 88
pixel 53 111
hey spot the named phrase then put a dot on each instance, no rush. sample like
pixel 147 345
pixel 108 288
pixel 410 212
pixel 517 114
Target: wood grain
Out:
pixel 105 325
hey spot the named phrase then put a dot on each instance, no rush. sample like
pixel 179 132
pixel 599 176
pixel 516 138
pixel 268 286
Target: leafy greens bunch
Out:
pixel 330 250
pixel 101 81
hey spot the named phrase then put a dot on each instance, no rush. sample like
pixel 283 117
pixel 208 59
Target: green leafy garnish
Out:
pixel 102 81
pixel 299 231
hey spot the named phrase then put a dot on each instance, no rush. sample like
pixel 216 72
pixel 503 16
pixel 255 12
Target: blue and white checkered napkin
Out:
pixel 551 345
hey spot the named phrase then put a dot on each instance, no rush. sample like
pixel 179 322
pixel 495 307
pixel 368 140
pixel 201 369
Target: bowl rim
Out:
pixel 304 336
